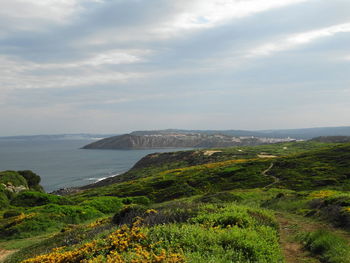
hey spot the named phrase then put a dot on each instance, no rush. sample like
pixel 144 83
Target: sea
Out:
pixel 62 163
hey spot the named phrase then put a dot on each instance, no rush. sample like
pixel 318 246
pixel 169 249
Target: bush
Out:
pixel 140 200
pixel 31 198
pixel 33 179
pixel 4 201
pixel 329 247
pixel 13 178
pixel 239 218
pixel 219 197
pixel 45 218
pixel 127 214
pixel 11 213
pixel 333 209
pixel 104 204
pixel 202 245
pixel 234 215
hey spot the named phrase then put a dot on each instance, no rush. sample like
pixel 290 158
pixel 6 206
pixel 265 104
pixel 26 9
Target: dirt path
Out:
pixel 293 251
pixel 5 253
pixel 292 225
pixel 275 179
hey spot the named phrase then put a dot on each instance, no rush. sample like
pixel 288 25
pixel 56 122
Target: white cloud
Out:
pixel 209 13
pixel 187 16
pixel 116 57
pixel 108 57
pixel 295 40
pixel 29 15
pixel 21 74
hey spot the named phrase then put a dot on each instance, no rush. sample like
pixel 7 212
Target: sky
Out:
pixel 113 66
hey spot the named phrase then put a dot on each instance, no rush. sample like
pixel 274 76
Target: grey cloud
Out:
pixel 203 74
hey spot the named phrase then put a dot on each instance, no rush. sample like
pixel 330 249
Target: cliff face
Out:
pixel 173 140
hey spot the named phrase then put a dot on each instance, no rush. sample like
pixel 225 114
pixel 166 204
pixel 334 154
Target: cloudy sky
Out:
pixel 111 66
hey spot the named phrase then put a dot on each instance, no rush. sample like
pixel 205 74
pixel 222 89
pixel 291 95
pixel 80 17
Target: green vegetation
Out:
pixel 31 198
pixel 13 178
pixel 242 204
pixel 12 182
pixel 328 247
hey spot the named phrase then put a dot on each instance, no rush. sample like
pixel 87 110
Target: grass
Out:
pixel 327 246
pixel 189 241
pixel 51 217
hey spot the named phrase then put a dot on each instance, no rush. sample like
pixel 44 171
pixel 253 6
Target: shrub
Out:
pixel 127 214
pixel 45 218
pixel 329 247
pixel 11 213
pixel 4 201
pixel 33 179
pixel 202 245
pixel 105 204
pixel 239 218
pixel 127 244
pixel 234 215
pixel 219 197
pixel 333 209
pixel 31 198
pixel 140 200
pixel 13 177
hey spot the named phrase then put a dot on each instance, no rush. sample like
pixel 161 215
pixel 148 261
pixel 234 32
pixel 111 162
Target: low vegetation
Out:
pixel 192 206
pixel 327 246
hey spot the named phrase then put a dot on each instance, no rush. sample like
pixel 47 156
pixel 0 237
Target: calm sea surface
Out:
pixel 62 164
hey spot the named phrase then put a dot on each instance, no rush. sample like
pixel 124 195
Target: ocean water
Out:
pixel 62 163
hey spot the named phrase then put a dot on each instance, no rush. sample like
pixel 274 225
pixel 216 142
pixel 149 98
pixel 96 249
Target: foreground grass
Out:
pixel 176 233
pixel 327 246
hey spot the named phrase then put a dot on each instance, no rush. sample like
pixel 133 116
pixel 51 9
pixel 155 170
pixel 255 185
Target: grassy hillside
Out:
pixel 246 204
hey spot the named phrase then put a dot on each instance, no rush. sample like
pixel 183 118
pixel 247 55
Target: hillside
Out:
pixel 332 139
pixel 196 173
pixel 284 202
pixel 168 139
pixel 304 134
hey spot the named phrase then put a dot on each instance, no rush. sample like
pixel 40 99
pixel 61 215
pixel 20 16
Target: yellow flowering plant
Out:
pixel 126 244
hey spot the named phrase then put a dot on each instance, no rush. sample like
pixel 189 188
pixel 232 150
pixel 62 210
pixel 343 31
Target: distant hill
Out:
pixel 175 139
pixel 308 133
pixel 332 139
pixel 304 134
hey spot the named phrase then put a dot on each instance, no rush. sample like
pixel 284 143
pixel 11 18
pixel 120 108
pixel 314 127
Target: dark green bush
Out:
pixel 33 179
pixel 140 200
pixel 127 214
pixel 333 209
pixel 31 198
pixel 219 197
pixel 4 201
pixel 11 213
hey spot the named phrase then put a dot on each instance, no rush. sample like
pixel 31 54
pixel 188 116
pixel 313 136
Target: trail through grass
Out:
pixel 292 227
pixel 5 253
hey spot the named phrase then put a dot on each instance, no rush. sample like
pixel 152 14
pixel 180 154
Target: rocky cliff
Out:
pixel 175 140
